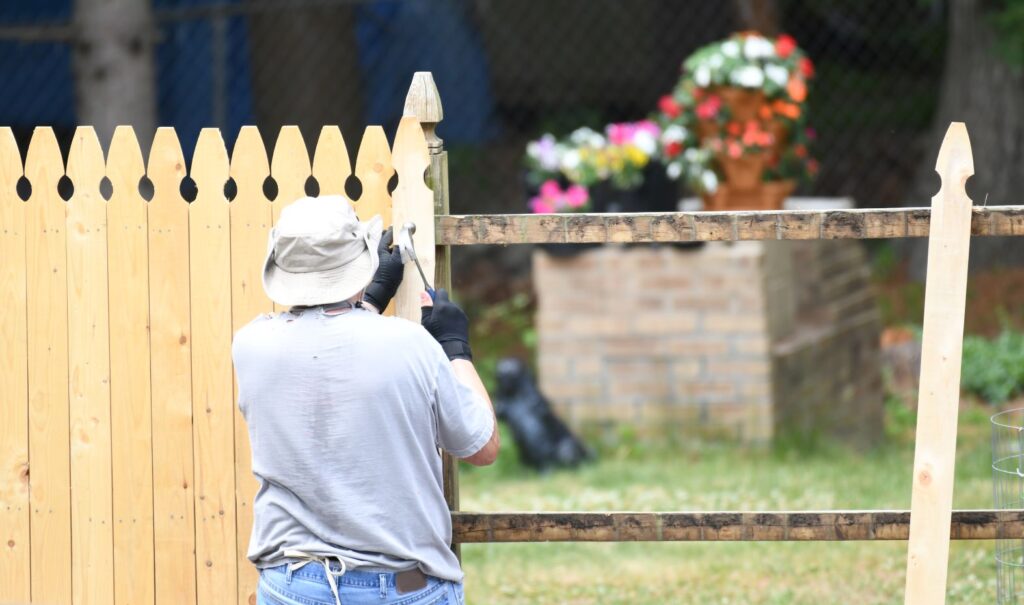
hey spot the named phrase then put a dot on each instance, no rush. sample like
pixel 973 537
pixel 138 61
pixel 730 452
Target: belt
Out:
pixel 405 581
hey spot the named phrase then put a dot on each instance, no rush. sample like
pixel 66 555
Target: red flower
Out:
pixel 785 45
pixel 708 108
pixel 812 167
pixel 668 106
pixel 673 149
pixel 807 68
pixel 733 128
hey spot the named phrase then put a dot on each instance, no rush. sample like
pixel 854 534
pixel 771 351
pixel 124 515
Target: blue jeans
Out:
pixel 308 586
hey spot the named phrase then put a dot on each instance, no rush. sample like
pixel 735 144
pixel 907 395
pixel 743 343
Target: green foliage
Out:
pixel 994 369
pixel 500 330
pixel 1008 20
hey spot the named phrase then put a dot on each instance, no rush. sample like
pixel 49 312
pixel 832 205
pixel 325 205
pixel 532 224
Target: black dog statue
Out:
pixel 543 440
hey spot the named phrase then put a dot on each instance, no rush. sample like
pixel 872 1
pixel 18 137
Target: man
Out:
pixel 346 411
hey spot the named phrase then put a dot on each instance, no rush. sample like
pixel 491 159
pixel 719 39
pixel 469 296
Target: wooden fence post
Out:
pixel 939 394
pixel 424 103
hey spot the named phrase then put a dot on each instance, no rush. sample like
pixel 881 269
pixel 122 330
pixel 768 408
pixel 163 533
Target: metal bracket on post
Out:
pixel 424 103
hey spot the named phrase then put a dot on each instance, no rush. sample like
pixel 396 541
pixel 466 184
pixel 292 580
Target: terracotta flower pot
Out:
pixel 743 172
pixel 774 193
pixel 780 132
pixel 726 198
pixel 707 129
pixel 743 103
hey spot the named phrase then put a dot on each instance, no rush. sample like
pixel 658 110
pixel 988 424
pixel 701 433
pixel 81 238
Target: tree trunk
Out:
pixel 115 77
pixel 758 15
pixel 305 71
pixel 981 89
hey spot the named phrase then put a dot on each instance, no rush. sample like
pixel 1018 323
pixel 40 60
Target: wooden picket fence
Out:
pixel 124 463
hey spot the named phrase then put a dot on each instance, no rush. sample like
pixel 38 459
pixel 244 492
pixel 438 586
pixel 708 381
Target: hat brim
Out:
pixel 317 287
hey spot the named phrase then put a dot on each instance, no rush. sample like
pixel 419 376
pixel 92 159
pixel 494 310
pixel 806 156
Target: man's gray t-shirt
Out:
pixel 345 415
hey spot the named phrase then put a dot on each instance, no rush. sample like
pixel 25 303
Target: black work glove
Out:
pixel 448 324
pixel 389 273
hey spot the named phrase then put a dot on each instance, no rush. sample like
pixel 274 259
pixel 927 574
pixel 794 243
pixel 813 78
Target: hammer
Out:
pixel 408 250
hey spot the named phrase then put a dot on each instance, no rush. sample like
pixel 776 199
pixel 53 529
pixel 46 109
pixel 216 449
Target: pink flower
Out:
pixel 550 189
pixel 541 206
pixel 576 196
pixel 619 134
pixel 708 109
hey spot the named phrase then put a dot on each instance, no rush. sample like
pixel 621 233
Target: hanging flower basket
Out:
pixel 743 103
pixel 743 172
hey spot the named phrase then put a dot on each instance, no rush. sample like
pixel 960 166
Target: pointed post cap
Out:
pixel 423 102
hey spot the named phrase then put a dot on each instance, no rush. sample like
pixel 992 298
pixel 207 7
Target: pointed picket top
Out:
pixel 86 166
pixel 374 169
pixel 955 163
pixel 125 167
pixel 413 202
pixel 290 168
pixel 411 147
pixel 10 164
pixel 43 164
pixel 210 169
pixel 166 167
pixel 331 163
pixel 249 166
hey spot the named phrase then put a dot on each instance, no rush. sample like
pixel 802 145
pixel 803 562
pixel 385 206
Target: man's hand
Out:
pixel 447 323
pixel 389 273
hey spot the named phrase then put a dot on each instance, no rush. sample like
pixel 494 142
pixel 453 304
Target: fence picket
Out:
pixel 130 403
pixel 50 477
pixel 92 555
pixel 14 478
pixel 250 223
pixel 331 164
pixel 171 359
pixel 413 201
pixel 213 420
pixel 290 168
pixel 374 168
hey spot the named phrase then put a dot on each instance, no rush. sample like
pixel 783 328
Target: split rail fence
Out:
pixel 124 464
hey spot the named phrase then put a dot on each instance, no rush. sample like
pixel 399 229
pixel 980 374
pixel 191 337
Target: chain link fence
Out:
pixel 508 71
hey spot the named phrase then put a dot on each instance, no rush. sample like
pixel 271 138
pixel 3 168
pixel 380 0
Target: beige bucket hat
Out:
pixel 319 252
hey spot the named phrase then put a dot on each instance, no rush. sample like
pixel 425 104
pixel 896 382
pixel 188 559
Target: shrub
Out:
pixel 994 369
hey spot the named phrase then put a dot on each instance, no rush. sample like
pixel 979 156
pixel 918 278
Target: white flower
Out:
pixel 756 47
pixel 777 74
pixel 570 160
pixel 709 180
pixel 716 61
pixel 674 170
pixel 645 142
pixel 702 76
pixel 731 49
pixel 674 134
pixel 747 76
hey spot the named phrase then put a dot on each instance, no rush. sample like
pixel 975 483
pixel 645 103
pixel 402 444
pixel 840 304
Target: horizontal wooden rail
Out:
pixel 462 230
pixel 833 525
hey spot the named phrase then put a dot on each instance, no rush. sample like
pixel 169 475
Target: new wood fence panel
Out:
pixel 331 164
pixel 50 475
pixel 374 168
pixel 250 223
pixel 212 393
pixel 130 404
pixel 14 476
pixel 92 555
pixel 290 168
pixel 414 202
pixel 171 359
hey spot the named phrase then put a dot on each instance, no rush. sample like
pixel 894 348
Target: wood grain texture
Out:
pixel 49 438
pixel 171 359
pixel 413 202
pixel 726 526
pixel 213 423
pixel 331 163
pixel 250 224
pixel 14 476
pixel 939 393
pixel 374 169
pixel 464 230
pixel 92 560
pixel 290 168
pixel 130 403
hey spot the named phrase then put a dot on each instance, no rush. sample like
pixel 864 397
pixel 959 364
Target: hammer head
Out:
pixel 403 239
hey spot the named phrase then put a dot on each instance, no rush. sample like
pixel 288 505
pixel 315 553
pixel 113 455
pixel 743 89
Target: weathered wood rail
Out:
pixel 464 230
pixel 781 526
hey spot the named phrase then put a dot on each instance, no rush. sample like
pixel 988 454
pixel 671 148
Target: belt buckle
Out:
pixel 410 580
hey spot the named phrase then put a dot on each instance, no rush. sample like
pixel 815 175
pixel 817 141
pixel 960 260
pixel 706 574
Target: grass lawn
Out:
pixel 715 476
